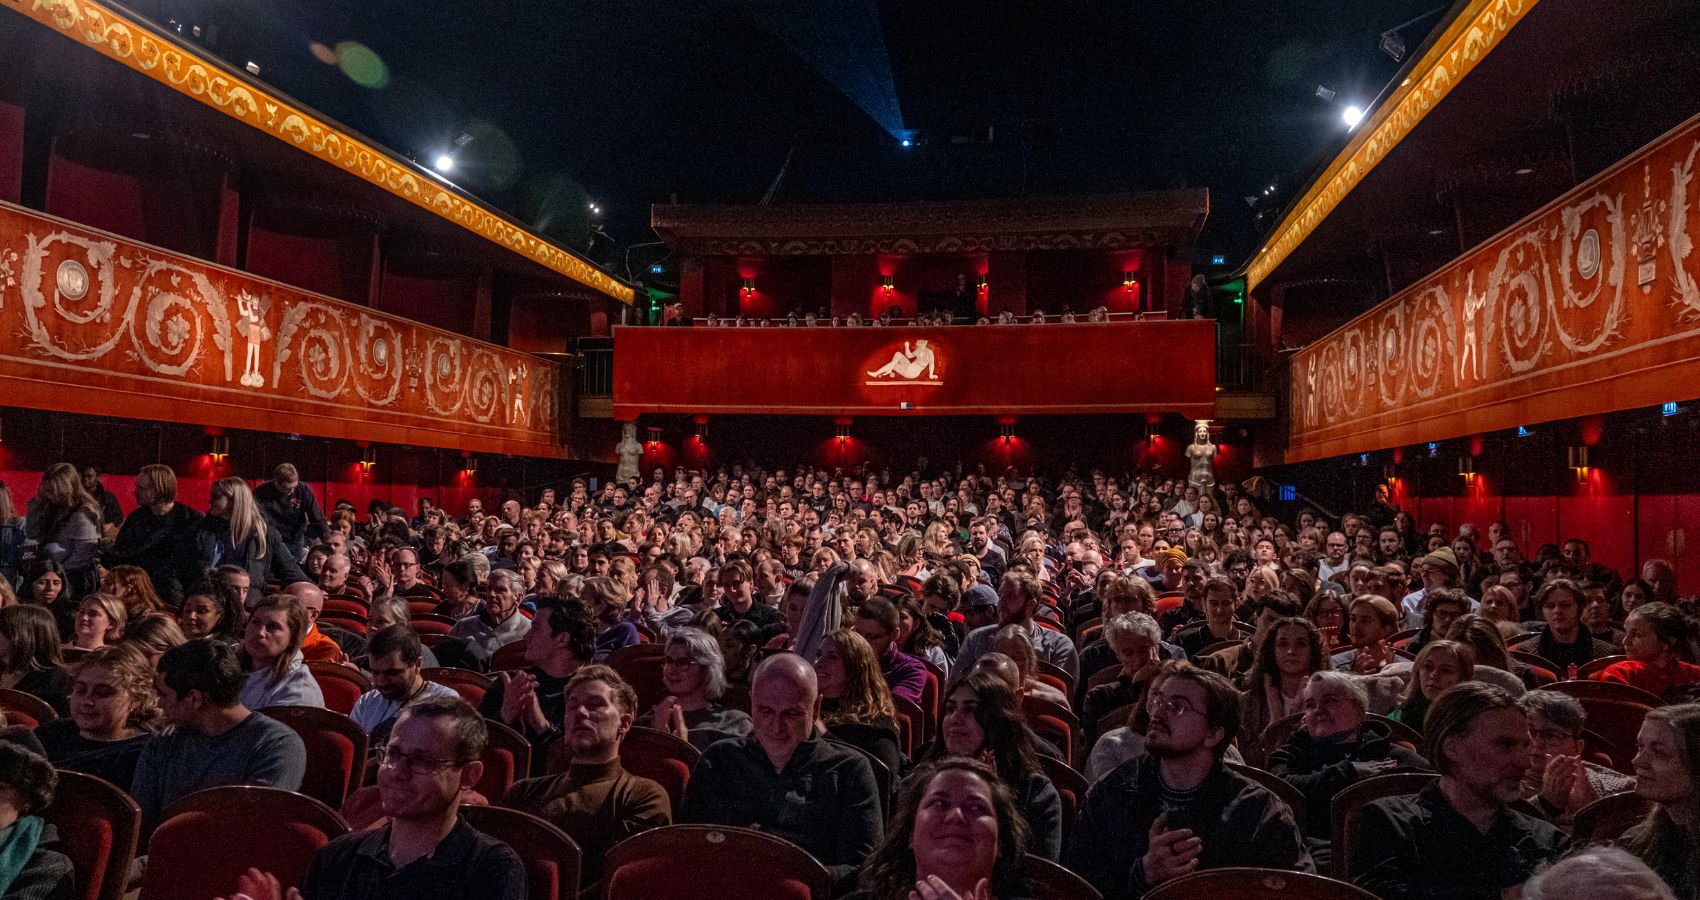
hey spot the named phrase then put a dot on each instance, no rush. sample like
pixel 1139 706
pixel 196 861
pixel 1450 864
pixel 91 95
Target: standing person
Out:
pixel 426 851
pixel 1176 809
pixel 290 507
pixel 111 514
pixel 66 522
pixel 11 534
pixel 217 740
pixel 234 533
pixel 159 536
pixel 1413 846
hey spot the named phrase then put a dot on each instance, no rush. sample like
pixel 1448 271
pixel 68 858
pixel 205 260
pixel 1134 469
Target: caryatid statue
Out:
pixel 630 452
pixel 1201 451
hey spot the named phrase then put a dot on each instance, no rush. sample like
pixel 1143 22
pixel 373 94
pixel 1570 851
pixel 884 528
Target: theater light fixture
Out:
pixel 1006 430
pixel 843 432
pixel 1579 461
pixel 1467 467
pixel 471 464
pixel 749 285
pixel 368 458
pixel 654 435
pixel 1129 280
pixel 1150 432
pixel 1390 473
pixel 887 285
pixel 220 447
pixel 980 282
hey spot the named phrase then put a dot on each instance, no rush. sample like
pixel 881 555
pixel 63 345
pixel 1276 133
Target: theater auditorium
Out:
pixel 876 450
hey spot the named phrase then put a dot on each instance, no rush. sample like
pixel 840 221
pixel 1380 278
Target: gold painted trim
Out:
pixel 133 42
pixel 1473 33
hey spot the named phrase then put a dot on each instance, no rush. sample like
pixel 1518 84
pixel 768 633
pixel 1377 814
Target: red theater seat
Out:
pixel 336 751
pixel 208 839
pixel 1256 884
pixel 1049 881
pixel 508 658
pixel 98 824
pixel 340 684
pixel 25 709
pixel 660 757
pixel 429 623
pixel 506 759
pixel 552 859
pixel 712 862
pixel 470 685
pixel 640 666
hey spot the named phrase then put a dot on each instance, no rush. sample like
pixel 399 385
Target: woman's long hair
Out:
pixel 999 714
pixel 34 637
pixel 142 599
pixel 247 526
pixel 295 613
pixel 1659 841
pixel 889 871
pixel 63 496
pixel 866 699
pixel 1414 704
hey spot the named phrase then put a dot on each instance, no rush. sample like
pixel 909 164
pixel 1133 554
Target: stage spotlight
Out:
pixel 1352 116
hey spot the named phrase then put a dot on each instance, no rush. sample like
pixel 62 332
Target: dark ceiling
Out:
pixel 631 102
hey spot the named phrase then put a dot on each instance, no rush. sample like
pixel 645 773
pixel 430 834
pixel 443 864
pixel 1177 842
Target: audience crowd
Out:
pixel 941 683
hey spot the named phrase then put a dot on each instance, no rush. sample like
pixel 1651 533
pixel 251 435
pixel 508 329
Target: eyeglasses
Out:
pixel 1549 736
pixel 1174 706
pixel 422 766
pixel 678 661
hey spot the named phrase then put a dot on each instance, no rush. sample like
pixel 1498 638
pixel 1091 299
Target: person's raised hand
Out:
pixel 257 885
pixel 934 888
pixel 518 692
pixel 1172 852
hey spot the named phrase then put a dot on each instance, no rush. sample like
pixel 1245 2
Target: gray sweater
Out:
pixel 259 751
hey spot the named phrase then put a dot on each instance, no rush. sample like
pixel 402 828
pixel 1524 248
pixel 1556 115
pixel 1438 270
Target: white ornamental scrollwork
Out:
pixel 1518 289
pixel 1580 253
pixel 381 360
pixel 315 334
pixel 167 295
pixel 442 375
pixel 1678 239
pixel 486 386
pixel 1431 347
pixel 97 309
pixel 1390 344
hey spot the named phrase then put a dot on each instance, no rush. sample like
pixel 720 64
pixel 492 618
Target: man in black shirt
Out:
pixel 1459 837
pixel 561 640
pixel 786 780
pixel 426 851
pixel 111 514
pixel 737 582
pixel 290 507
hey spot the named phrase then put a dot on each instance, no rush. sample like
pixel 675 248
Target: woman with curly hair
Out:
pixel 856 704
pixel 113 708
pixel 132 585
pixel 956 833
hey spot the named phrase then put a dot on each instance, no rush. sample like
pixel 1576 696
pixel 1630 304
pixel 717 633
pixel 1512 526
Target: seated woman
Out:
pixel 458 583
pixel 29 866
pixel 1016 642
pixel 1499 606
pixel 1667 772
pixel 607 599
pixel 694 674
pixel 46 585
pixel 1274 688
pixel 956 833
pixel 1134 637
pixel 30 660
pixel 740 646
pixel 210 609
pixel 856 704
pixel 1655 637
pixel 1338 746
pixel 1440 666
pixel 132 586
pixel 113 706
pixel 1494 664
pixel 271 654
pixel 1328 612
pixel 153 634
pixel 100 622
pixel 981 719
pixel 917 637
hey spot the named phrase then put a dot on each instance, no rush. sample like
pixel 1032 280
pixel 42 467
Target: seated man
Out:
pixel 906 676
pixel 1560 781
pixel 1218 624
pixel 217 740
pixel 1237 660
pixel 533 702
pixel 1135 639
pixel 1018 603
pixel 1177 809
pixel 786 780
pixel 498 621
pixel 396 682
pixel 1413 846
pixel 317 645
pixel 592 798
pixel 410 576
pixel 425 850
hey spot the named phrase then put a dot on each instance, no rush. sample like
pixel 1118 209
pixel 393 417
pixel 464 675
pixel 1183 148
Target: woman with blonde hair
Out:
pixel 234 533
pixel 935 542
pixel 1438 668
pixel 113 709
pixel 271 654
pixel 65 521
pixel 132 586
pixel 153 634
pixel 856 704
pixel 100 622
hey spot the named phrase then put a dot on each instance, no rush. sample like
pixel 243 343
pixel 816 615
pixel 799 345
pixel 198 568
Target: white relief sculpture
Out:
pixel 910 363
pixel 251 323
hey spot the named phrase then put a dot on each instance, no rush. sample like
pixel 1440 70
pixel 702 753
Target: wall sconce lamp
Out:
pixel 654 435
pixel 887 285
pixel 1390 473
pixel 1150 432
pixel 980 283
pixel 1006 430
pixel 368 458
pixel 702 429
pixel 470 465
pixel 1467 467
pixel 1129 281
pixel 1579 462
pixel 749 285
pixel 843 432
pixel 221 448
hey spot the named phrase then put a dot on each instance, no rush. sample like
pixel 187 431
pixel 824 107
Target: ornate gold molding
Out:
pixel 1473 33
pixel 148 50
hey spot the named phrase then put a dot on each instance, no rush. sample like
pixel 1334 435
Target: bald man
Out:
pixel 320 645
pixel 785 780
pixel 863 581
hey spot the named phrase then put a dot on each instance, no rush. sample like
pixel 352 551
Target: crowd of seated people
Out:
pixel 930 682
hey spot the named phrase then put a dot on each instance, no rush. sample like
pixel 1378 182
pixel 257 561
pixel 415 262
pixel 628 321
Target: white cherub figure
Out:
pixel 251 324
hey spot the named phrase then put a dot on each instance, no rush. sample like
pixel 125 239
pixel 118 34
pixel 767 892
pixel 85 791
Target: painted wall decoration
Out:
pixel 92 323
pixel 1589 305
pixel 1080 368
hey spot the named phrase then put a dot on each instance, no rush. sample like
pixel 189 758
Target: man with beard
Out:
pixel 1018 602
pixel 593 799
pixel 1176 809
pixel 1412 846
pixel 395 655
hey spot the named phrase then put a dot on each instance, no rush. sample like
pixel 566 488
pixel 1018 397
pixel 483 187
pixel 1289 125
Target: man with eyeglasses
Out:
pixel 1334 561
pixel 1560 781
pixel 425 851
pixel 1176 809
pixel 408 573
